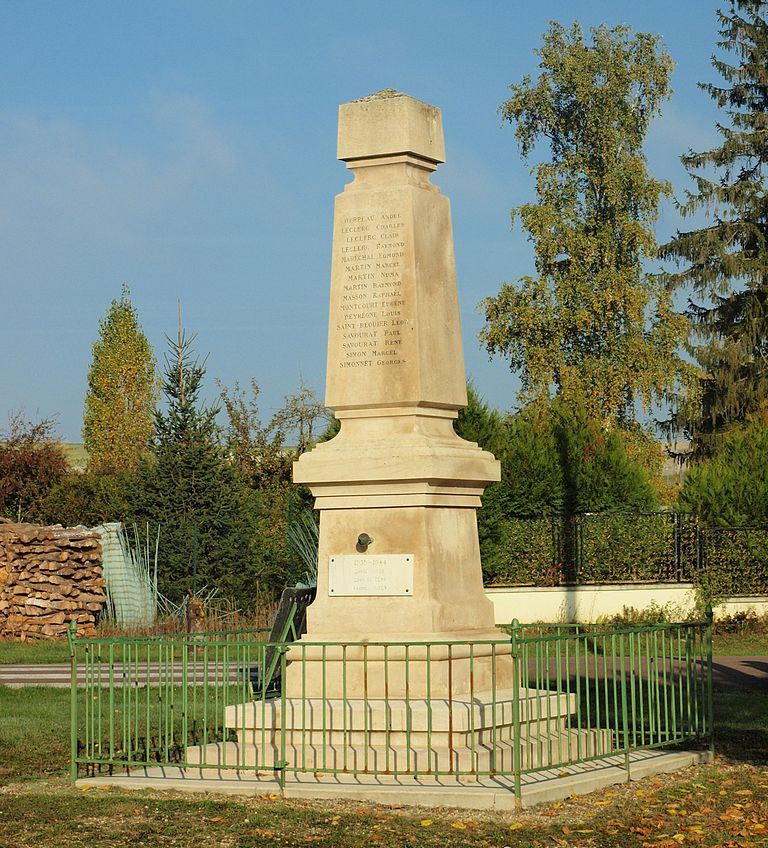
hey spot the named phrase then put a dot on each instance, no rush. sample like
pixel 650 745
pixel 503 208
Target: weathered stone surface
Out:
pixel 397 471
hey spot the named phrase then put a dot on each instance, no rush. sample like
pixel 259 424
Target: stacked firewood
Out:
pixel 49 576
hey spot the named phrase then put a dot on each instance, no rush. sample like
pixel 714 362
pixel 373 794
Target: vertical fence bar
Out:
pixel 281 766
pixel 624 710
pixel 710 693
pixel 71 635
pixel 517 742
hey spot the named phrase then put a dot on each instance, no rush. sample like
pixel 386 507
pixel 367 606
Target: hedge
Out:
pixel 628 547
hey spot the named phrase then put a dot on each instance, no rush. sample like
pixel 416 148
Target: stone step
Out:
pixel 461 713
pixel 545 751
pixel 374 737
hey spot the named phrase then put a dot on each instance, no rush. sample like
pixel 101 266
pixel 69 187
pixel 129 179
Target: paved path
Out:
pixel 745 672
pixel 59 675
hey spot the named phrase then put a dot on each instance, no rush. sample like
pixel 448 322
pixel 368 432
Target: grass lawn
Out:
pixel 721 805
pixel 740 645
pixel 33 652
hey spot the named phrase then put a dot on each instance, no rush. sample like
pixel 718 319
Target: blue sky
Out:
pixel 188 149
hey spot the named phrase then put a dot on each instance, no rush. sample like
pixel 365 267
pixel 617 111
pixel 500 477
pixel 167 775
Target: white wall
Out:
pixel 588 603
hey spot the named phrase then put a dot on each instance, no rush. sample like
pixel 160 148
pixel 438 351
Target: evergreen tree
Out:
pixel 121 397
pixel 477 422
pixel 731 488
pixel 727 260
pixel 191 489
pixel 591 326
pixel 598 473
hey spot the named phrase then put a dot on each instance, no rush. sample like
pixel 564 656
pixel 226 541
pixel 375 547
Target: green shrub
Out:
pixel 526 553
pixel 731 489
pixel 632 547
pixel 734 561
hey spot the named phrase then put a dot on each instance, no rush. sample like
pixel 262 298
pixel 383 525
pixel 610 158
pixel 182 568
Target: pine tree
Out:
pixel 590 326
pixel 193 491
pixel 727 260
pixel 121 397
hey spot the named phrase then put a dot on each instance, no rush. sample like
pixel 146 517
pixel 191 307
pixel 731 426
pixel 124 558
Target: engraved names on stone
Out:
pixel 372 309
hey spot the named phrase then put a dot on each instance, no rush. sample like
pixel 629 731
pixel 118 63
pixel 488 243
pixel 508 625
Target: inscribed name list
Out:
pixel 371 313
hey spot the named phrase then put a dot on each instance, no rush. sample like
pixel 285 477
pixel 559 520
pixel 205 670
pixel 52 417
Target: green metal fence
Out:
pixel 629 547
pixel 542 697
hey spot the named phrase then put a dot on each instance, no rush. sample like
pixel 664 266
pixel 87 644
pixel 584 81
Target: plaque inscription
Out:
pixel 354 574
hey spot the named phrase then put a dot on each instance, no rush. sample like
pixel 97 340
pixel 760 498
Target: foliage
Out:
pixel 652 614
pixel 555 461
pixel 634 547
pixel 526 552
pixel 258 450
pixel 304 414
pixel 189 487
pixel 727 260
pixel 32 461
pixel 746 621
pixel 304 538
pixel 628 547
pixel 88 498
pixel 598 473
pixel 591 325
pixel 731 488
pixel 478 422
pixel 121 397
pixel 734 561
pixel 265 465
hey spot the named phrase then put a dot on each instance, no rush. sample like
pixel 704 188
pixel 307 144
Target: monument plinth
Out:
pixel 397 472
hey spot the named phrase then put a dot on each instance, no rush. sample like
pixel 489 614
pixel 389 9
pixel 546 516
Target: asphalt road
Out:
pixel 745 672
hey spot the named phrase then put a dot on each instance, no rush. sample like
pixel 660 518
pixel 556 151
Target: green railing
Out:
pixel 542 697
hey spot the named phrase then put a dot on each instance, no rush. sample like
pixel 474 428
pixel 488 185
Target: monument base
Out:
pixel 421 668
pixel 461 735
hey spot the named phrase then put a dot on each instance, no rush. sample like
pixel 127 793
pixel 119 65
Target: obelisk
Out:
pixel 397 473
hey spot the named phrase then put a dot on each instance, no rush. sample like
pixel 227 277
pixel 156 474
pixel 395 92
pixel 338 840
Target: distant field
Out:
pixel 76 454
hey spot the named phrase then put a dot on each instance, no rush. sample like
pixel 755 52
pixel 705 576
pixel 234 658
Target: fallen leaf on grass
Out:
pixel 516 826
pixel 215 819
pixel 425 822
pixel 459 825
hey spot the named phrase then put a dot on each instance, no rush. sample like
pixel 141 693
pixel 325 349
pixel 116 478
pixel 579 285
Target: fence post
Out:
pixel 624 709
pixel 710 694
pixel 71 633
pixel 281 766
pixel 517 743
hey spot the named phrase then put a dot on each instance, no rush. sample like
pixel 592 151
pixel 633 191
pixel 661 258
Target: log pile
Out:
pixel 49 576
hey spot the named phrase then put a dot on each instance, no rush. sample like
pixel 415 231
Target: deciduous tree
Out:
pixel 31 463
pixel 122 391
pixel 590 326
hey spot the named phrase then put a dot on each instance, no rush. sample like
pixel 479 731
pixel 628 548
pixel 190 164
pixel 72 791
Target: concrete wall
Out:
pixel 588 603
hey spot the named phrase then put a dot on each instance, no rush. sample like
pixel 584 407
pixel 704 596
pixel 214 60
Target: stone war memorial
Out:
pixel 402 689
